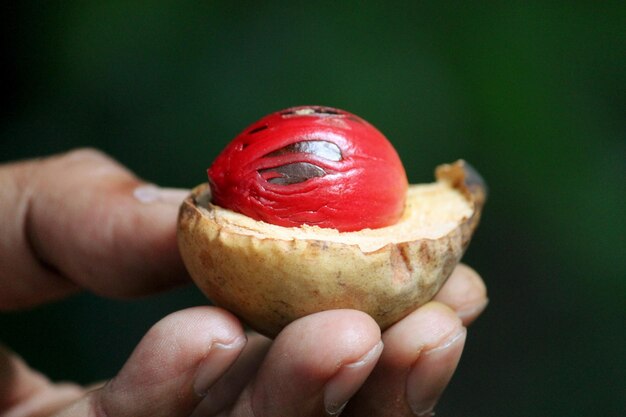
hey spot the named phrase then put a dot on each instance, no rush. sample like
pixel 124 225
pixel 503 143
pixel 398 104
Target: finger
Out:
pixel 83 220
pixel 420 356
pixel 314 366
pixel 171 369
pixel 465 293
pixel 228 388
pixel 24 392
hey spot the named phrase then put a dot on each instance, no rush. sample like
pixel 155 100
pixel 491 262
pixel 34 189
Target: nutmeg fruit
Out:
pixel 270 274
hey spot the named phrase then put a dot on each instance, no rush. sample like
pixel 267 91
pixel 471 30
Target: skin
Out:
pixel 80 221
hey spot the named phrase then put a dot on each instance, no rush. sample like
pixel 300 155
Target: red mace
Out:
pixel 311 165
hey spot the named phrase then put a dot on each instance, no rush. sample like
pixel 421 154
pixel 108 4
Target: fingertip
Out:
pixel 348 379
pixel 349 328
pixel 227 390
pixel 420 355
pixel 442 335
pixel 478 287
pixel 323 358
pixel 465 292
pixel 426 328
pixel 196 327
pixel 431 373
pixel 175 363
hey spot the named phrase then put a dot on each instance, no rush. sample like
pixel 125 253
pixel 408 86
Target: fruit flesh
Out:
pixel 440 211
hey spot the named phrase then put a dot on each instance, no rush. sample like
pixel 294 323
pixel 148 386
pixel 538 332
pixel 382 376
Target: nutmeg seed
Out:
pixel 311 165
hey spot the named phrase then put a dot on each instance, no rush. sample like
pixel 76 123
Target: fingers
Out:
pixel 314 366
pixel 171 369
pixel 465 293
pixel 420 356
pixel 24 392
pixel 82 220
pixel 168 374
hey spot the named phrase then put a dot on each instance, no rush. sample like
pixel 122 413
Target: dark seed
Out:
pixel 325 110
pixel 320 148
pixel 294 173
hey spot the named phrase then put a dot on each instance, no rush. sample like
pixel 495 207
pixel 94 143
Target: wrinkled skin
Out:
pixel 311 165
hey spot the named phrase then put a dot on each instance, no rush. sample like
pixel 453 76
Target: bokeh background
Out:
pixel 533 94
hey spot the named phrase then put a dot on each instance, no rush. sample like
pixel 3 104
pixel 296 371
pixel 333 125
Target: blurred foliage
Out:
pixel 531 93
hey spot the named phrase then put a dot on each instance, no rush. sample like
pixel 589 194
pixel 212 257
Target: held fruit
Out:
pixel 272 265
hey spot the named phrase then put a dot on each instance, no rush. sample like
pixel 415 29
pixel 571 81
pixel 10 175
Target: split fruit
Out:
pixel 308 210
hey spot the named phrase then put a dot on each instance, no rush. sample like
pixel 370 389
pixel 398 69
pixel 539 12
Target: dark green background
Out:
pixel 531 93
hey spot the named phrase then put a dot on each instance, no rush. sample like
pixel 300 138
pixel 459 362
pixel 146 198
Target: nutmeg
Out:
pixel 311 165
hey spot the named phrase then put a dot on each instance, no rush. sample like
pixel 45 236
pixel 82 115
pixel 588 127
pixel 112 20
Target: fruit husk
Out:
pixel 270 276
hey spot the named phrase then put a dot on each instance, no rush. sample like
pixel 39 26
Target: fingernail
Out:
pixel 220 357
pixel 473 311
pixel 432 372
pixel 150 193
pixel 348 380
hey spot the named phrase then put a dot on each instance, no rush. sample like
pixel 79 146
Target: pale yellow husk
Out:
pixel 271 275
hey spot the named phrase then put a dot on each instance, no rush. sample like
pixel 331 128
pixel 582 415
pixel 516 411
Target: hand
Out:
pixel 82 221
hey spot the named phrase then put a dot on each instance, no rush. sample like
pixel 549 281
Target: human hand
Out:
pixel 81 221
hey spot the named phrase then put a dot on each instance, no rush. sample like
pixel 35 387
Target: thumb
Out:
pixel 81 220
